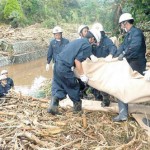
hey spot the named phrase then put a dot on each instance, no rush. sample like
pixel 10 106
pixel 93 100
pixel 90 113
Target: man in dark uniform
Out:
pixel 3 86
pixel 56 45
pixel 64 80
pixel 10 82
pixel 107 50
pixel 133 49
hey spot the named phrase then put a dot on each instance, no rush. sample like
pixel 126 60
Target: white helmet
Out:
pixel 82 27
pixel 96 34
pixel 98 26
pixel 4 72
pixel 57 29
pixel 125 17
pixel 2 77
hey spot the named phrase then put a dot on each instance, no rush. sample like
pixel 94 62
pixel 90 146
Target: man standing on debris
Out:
pixel 3 86
pixel 133 49
pixel 107 50
pixel 65 81
pixel 10 82
pixel 56 46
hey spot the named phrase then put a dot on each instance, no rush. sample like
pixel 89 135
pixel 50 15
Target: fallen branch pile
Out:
pixel 26 125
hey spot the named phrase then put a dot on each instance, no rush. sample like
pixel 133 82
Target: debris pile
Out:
pixel 25 44
pixel 25 124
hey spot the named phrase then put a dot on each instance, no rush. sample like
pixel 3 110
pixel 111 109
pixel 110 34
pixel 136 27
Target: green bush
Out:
pixel 49 23
pixel 2 5
pixel 14 23
pixel 12 7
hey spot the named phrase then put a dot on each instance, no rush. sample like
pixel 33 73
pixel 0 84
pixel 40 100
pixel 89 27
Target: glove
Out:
pixel 84 78
pixel 108 58
pixel 94 58
pixel 47 67
pixel 72 68
pixel 147 75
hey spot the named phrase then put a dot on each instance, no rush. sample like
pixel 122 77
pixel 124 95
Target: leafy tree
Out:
pixel 53 12
pixel 12 6
pixel 2 5
pixel 33 10
pixel 140 9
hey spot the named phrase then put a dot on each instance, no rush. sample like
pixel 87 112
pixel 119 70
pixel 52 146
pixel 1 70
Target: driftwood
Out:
pixel 4 53
pixel 96 106
pixel 85 133
pixel 8 113
pixel 84 121
pixel 2 120
pixel 66 145
pixel 42 105
pixel 41 100
pixel 127 145
pixel 25 124
pixel 32 137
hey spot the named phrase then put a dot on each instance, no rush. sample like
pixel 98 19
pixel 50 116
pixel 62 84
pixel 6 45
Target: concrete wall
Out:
pixel 28 56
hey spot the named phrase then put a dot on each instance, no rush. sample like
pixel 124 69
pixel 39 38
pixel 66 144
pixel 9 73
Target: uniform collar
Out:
pixel 131 29
pixel 86 40
pixel 59 41
pixel 102 38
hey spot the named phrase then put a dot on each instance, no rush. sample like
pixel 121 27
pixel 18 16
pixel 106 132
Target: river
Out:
pixel 25 75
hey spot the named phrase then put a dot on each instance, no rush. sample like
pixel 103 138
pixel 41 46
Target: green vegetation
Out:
pixel 12 9
pixel 53 12
pixel 13 12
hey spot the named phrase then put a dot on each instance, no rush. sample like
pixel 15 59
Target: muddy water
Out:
pixel 24 74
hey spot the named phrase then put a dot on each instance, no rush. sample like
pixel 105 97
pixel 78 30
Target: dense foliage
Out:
pixel 140 9
pixel 11 7
pixel 52 12
pixel 13 12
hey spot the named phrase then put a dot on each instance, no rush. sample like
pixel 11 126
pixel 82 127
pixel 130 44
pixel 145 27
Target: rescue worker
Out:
pixel 107 50
pixel 10 82
pixel 82 30
pixel 133 49
pixel 4 88
pixel 56 46
pixel 65 81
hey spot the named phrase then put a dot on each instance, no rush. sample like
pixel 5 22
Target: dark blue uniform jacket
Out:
pixel 10 83
pixel 55 48
pixel 133 45
pixel 65 81
pixel 79 49
pixel 134 48
pixel 105 48
pixel 3 90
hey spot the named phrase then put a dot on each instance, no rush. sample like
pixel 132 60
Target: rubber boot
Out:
pixel 77 107
pixel 105 101
pixel 53 107
pixel 123 112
